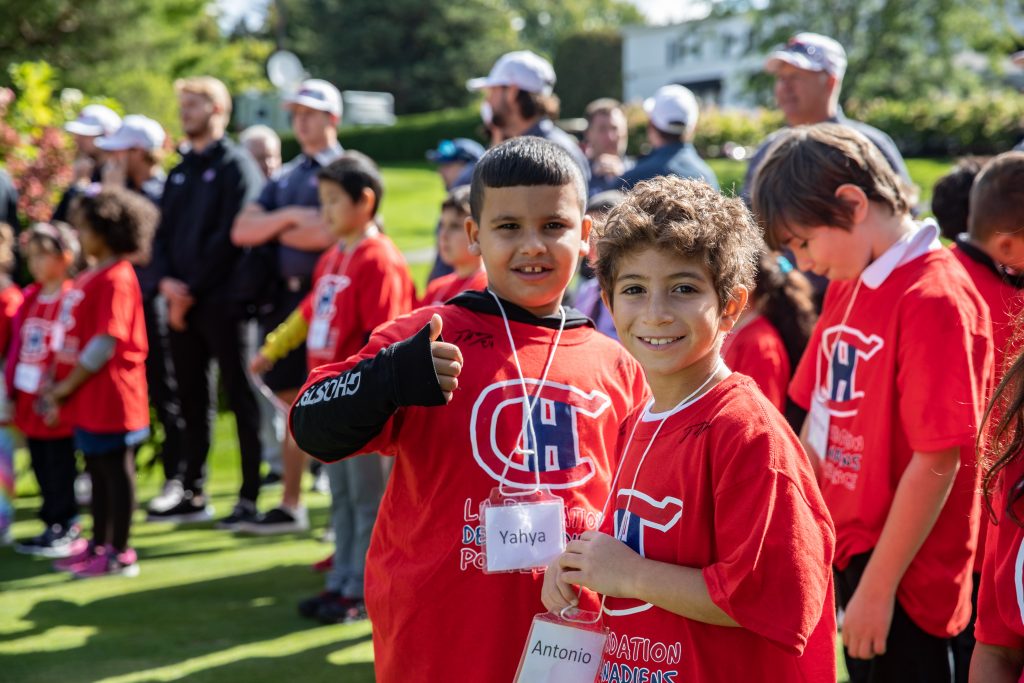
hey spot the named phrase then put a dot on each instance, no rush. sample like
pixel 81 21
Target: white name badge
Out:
pixel 817 427
pixel 28 377
pixel 57 337
pixel 319 330
pixel 559 651
pixel 522 532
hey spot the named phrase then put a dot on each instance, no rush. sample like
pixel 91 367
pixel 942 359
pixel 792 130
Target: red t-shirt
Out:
pixel 35 364
pixel 725 487
pixel 445 287
pixel 107 301
pixel 11 298
pixel 436 616
pixel 1001 596
pixel 909 371
pixel 354 292
pixel 757 351
pixel 1004 303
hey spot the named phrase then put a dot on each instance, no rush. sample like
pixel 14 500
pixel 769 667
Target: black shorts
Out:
pixel 290 372
pixel 912 655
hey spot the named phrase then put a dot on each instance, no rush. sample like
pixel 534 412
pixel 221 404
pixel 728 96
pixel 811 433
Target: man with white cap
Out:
pixel 671 123
pixel 134 154
pixel 809 72
pixel 92 122
pixel 286 220
pixel 519 93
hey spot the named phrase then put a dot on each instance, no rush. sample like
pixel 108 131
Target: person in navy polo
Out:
pixel 809 72
pixel 286 218
pixel 519 93
pixel 671 123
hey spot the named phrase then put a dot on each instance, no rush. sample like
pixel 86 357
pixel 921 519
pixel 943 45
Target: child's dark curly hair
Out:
pixel 124 220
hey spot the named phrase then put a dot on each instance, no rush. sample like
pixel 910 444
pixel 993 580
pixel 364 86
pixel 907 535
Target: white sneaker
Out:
pixel 171 494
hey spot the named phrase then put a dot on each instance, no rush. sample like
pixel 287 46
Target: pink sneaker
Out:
pixel 108 564
pixel 81 550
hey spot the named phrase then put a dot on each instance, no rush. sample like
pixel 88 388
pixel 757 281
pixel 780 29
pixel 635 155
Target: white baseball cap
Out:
pixel 136 132
pixel 673 109
pixel 94 120
pixel 318 94
pixel 811 52
pixel 523 69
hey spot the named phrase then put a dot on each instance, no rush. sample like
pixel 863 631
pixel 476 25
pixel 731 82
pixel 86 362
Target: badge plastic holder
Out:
pixel 521 531
pixel 563 648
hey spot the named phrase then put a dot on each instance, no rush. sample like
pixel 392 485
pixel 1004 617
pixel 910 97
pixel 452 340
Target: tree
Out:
pixel 896 48
pixel 544 24
pixel 130 50
pixel 422 51
pixel 589 65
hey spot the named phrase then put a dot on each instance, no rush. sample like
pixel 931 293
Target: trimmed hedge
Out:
pixel 982 124
pixel 407 140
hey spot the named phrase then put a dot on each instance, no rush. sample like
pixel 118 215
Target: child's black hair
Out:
pixel 354 172
pixel 951 196
pixel 457 200
pixel 55 237
pixel 529 161
pixel 786 299
pixel 123 219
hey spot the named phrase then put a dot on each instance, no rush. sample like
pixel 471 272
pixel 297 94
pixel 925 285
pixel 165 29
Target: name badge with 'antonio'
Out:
pixel 522 532
pixel 561 651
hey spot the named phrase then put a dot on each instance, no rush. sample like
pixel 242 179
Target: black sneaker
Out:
pixel 271 479
pixel 191 507
pixel 341 611
pixel 244 511
pixel 309 607
pixel 54 543
pixel 280 520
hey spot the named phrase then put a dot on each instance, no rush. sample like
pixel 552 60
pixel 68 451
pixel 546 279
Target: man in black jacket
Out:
pixel 195 260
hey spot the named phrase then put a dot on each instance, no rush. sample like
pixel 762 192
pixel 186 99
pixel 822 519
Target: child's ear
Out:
pixel 473 232
pixel 607 301
pixel 585 227
pixel 734 307
pixel 855 199
pixel 367 197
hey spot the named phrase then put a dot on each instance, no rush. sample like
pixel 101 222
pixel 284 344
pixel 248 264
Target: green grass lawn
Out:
pixel 207 606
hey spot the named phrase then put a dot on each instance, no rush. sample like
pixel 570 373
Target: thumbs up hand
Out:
pixel 447 359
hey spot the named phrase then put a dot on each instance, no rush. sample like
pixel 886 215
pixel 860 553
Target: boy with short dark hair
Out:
pixel 456 252
pixel 714 519
pixel 895 378
pixel 359 283
pixel 521 391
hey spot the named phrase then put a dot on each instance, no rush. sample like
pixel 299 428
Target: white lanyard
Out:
pixel 528 405
pixel 636 474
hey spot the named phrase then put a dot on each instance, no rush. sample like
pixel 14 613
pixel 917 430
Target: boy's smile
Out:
pixel 666 310
pixel 531 238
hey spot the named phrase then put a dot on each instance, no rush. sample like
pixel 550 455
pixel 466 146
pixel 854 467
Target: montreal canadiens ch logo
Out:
pixel 327 291
pixel 850 348
pixel 645 516
pixel 498 419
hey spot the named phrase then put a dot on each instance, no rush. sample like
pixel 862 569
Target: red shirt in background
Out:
pixel 443 288
pixel 908 370
pixel 354 292
pixel 725 487
pixel 106 301
pixel 757 351
pixel 1000 599
pixel 34 348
